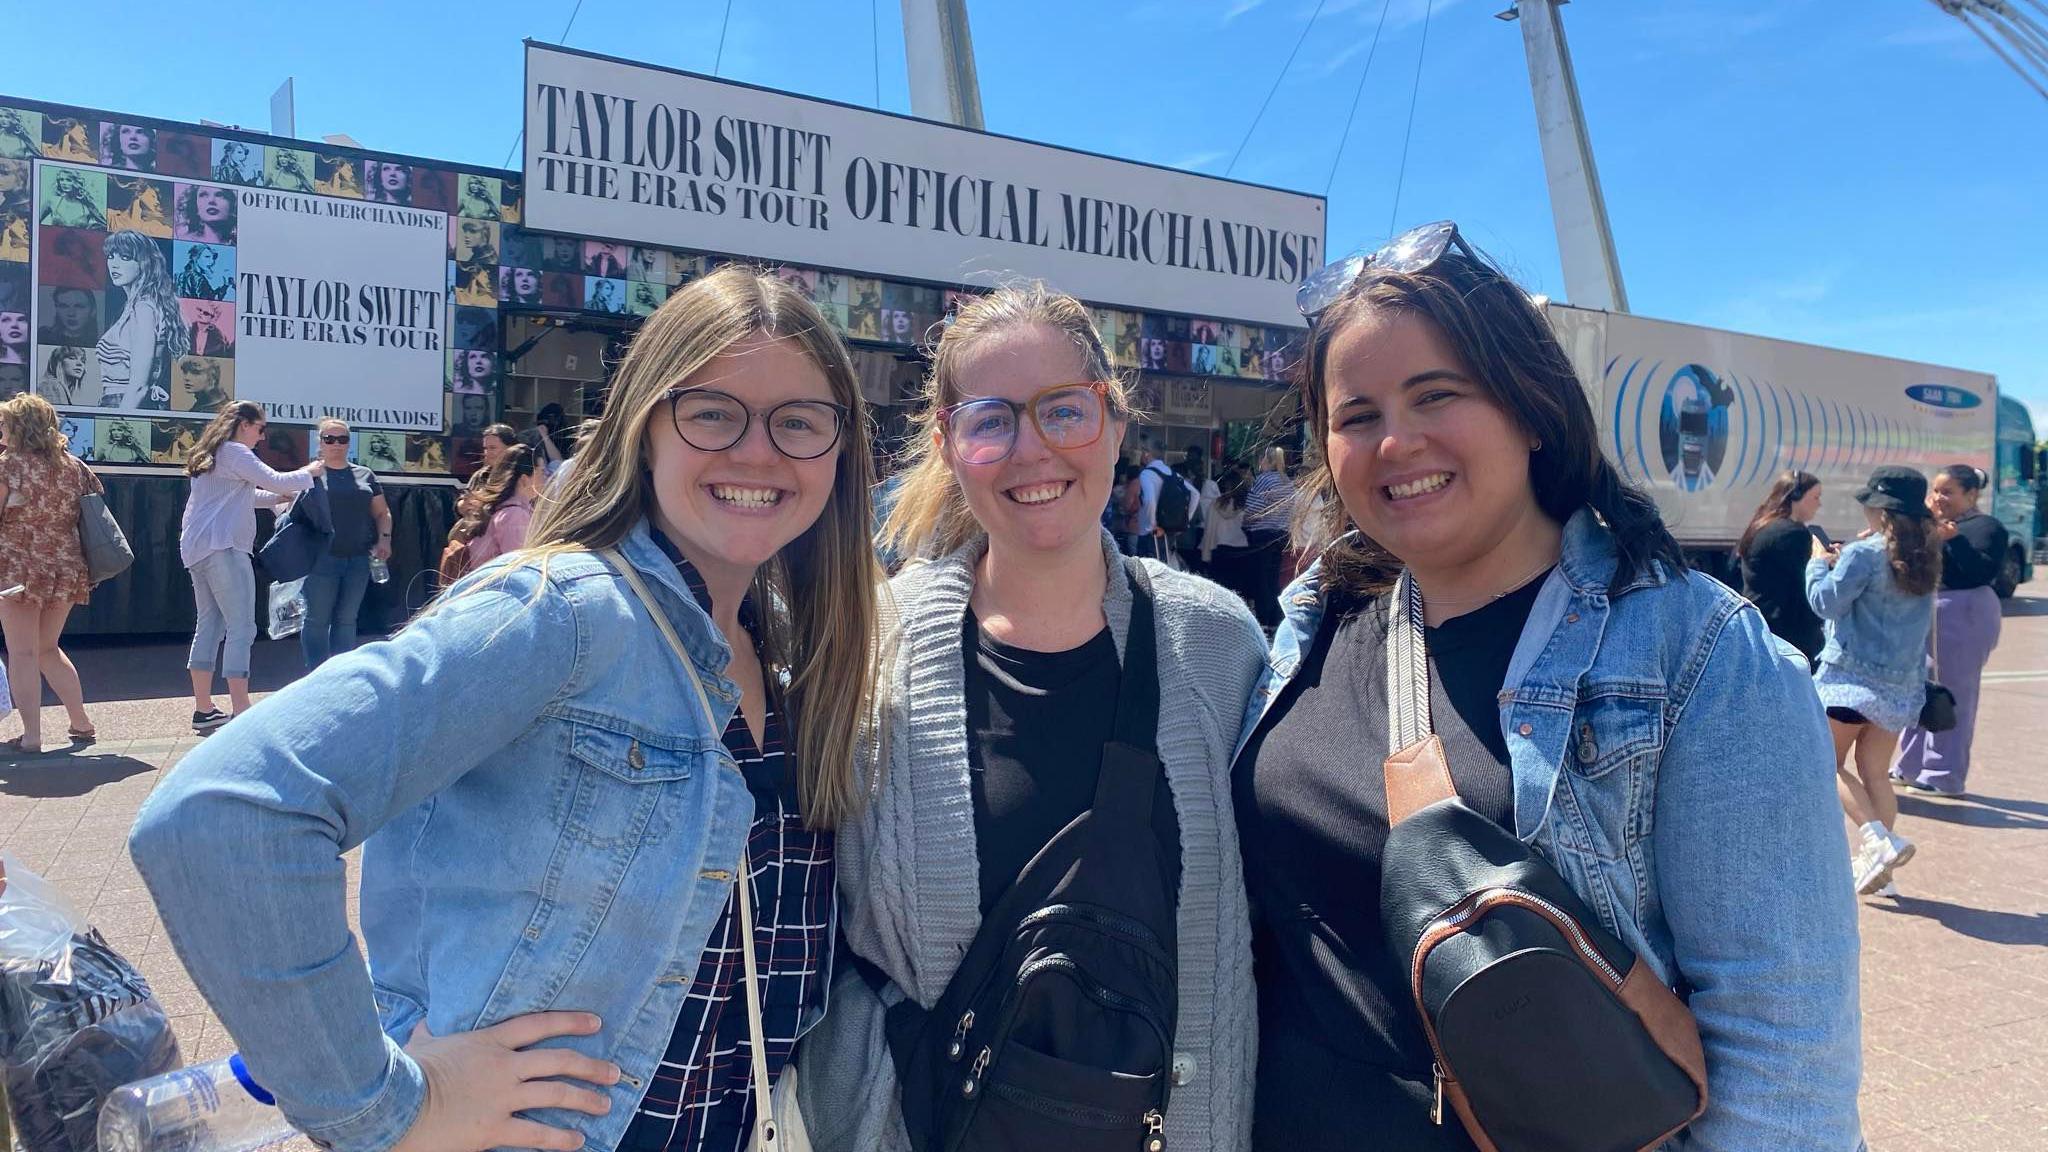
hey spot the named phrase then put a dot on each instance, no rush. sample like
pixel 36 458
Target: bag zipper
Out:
pixel 1107 997
pixel 1115 924
pixel 1455 921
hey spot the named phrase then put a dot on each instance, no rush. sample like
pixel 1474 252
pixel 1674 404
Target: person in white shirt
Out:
pixel 218 533
pixel 1153 473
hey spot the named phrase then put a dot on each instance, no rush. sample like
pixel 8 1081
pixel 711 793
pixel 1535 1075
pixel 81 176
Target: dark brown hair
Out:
pixel 1502 338
pixel 1914 551
pixel 1788 489
pixel 500 483
pixel 232 416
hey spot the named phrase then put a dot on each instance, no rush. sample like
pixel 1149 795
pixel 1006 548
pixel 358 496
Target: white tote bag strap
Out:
pixel 668 631
pixel 1407 668
pixel 766 1137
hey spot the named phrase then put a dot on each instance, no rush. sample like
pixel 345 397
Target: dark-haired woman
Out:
pixel 1966 625
pixel 1774 550
pixel 504 508
pixel 1631 721
pixel 1877 595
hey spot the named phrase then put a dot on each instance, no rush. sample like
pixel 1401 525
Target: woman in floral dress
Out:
pixel 42 568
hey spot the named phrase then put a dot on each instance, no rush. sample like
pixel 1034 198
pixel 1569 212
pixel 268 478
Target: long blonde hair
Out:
pixel 32 427
pixel 931 517
pixel 824 581
pixel 226 423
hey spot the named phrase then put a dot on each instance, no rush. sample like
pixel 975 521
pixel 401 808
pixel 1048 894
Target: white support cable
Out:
pixel 2017 29
pixel 2001 53
pixel 521 134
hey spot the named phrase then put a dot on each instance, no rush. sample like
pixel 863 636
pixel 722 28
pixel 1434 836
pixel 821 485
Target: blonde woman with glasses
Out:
pixel 1048 700
pixel 558 773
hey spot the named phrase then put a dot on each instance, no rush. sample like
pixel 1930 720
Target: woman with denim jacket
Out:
pixel 551 822
pixel 1877 597
pixel 1634 723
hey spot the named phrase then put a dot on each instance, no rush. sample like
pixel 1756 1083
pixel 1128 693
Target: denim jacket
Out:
pixel 548 822
pixel 1875 631
pixel 1671 760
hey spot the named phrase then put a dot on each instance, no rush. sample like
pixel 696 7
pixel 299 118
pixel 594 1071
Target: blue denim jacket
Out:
pixel 1875 631
pixel 1671 760
pixel 548 823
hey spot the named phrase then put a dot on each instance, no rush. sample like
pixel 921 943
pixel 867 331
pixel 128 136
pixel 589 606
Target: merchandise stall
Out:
pixel 160 269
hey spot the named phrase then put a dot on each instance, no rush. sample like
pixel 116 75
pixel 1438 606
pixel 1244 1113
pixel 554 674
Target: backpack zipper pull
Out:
pixel 972 1085
pixel 958 1047
pixel 1155 1131
pixel 1436 1110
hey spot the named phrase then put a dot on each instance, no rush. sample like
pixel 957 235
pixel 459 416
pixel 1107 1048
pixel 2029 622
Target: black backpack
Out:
pixel 1171 511
pixel 1549 1033
pixel 1056 1031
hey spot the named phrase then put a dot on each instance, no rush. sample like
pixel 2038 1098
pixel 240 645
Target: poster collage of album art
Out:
pixel 152 271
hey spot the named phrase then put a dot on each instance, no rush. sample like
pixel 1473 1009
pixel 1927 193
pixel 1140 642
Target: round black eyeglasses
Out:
pixel 713 421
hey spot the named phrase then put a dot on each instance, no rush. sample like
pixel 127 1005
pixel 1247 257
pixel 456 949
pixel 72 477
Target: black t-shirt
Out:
pixel 1341 1048
pixel 1973 556
pixel 1774 575
pixel 1036 724
pixel 349 492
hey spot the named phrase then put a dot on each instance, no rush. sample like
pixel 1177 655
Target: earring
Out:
pixel 1535 445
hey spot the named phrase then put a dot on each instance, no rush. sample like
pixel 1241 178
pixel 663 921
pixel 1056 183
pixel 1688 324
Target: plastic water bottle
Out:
pixel 212 1107
pixel 380 570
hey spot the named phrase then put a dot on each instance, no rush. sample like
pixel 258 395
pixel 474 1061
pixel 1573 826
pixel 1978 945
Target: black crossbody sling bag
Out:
pixel 1549 1033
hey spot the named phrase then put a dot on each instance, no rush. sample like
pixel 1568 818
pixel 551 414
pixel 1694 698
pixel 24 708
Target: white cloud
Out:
pixel 1241 8
pixel 1195 161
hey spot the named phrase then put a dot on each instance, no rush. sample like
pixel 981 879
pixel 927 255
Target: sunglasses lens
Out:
pixel 982 431
pixel 1417 249
pixel 1322 288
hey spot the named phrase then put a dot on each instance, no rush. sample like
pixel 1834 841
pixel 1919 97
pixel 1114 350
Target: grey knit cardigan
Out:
pixel 909 884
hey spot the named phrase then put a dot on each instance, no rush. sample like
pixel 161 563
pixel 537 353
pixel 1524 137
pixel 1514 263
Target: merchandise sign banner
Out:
pixel 163 296
pixel 649 155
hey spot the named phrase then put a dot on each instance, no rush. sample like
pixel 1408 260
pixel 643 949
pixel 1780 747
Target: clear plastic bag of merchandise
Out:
pixel 287 608
pixel 76 1020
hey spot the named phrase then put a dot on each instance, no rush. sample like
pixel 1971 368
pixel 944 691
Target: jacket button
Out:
pixel 1588 752
pixel 635 758
pixel 1571 617
pixel 1183 1069
pixel 1525 729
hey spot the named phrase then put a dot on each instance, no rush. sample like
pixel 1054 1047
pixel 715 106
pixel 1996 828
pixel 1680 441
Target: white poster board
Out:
pixel 630 152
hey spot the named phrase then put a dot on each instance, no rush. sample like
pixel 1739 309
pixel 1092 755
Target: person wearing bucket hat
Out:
pixel 1877 598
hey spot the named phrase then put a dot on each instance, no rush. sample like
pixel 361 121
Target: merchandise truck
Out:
pixel 1705 420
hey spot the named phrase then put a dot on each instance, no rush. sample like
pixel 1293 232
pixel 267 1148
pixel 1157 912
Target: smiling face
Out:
pixel 732 511
pixel 1427 465
pixel 1947 499
pixel 1038 498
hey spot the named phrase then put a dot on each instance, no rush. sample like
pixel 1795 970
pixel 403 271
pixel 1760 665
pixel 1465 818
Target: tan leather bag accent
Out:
pixel 1671 1024
pixel 1417 776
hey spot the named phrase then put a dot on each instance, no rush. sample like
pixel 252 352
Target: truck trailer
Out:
pixel 1705 420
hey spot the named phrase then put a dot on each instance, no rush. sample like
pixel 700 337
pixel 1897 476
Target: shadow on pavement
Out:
pixel 1976 923
pixel 2023 606
pixel 52 776
pixel 153 667
pixel 1977 811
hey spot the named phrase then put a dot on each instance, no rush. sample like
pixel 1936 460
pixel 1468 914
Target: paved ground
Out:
pixel 1955 974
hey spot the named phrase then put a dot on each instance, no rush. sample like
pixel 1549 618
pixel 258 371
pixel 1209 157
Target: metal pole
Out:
pixel 939 53
pixel 1585 243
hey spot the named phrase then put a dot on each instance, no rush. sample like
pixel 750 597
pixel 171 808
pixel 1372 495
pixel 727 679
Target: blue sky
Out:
pixel 1865 176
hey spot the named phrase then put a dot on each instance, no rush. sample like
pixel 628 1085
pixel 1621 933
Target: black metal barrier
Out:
pixel 155 596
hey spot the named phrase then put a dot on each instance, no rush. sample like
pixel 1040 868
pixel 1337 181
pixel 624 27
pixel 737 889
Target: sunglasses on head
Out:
pixel 1415 250
pixel 329 439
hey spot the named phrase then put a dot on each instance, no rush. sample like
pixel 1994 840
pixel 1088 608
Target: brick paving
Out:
pixel 1955 973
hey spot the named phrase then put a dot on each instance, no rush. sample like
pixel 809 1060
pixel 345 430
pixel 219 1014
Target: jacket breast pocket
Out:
pixel 1610 763
pixel 621 779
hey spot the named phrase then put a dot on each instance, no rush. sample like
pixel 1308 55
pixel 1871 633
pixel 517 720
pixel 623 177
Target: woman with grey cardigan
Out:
pixel 1002 686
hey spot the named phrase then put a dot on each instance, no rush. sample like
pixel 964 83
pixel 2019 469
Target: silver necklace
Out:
pixel 1519 583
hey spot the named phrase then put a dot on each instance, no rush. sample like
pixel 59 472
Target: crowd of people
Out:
pixel 1078 830
pixel 1890 623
